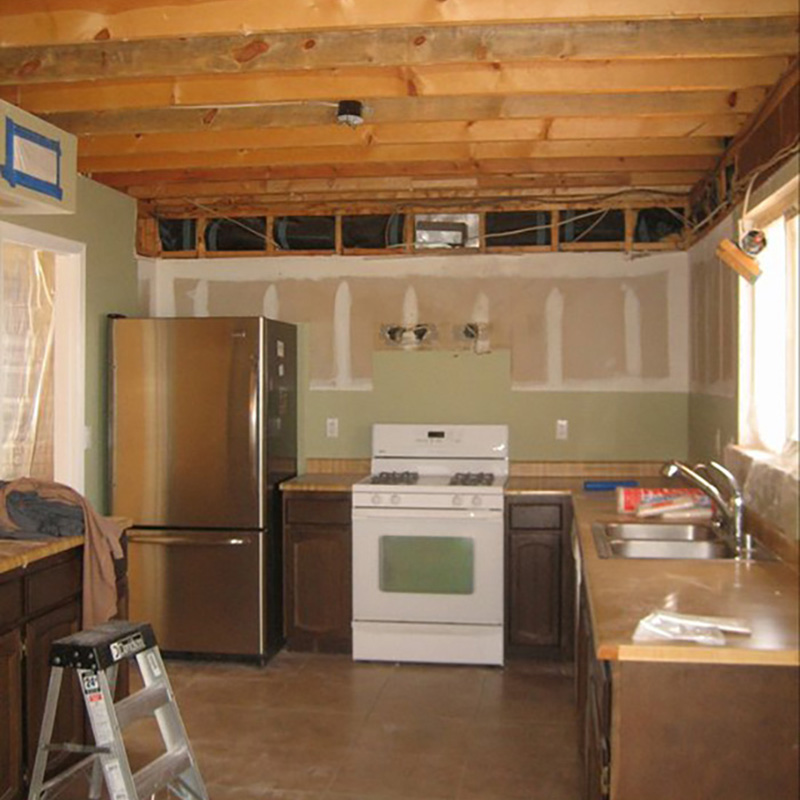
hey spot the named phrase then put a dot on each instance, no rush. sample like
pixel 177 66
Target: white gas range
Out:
pixel 428 545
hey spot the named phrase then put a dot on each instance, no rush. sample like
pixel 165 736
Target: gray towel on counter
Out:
pixel 30 536
pixel 42 517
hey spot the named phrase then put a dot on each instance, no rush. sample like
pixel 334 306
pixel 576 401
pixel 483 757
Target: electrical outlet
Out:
pixel 332 427
pixel 562 429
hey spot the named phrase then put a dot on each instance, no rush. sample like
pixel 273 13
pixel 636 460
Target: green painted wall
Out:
pixel 713 423
pixel 446 386
pixel 105 221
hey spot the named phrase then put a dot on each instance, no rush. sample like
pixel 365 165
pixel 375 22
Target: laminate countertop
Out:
pixel 322 482
pixel 19 553
pixel 621 591
pixel 515 485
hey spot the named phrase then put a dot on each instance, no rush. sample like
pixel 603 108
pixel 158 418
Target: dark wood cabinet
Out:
pixel 40 633
pixel 652 729
pixel 37 605
pixel 10 715
pixel 594 708
pixel 318 605
pixel 539 577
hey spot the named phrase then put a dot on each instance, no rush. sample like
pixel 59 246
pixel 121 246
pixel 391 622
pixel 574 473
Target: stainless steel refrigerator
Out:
pixel 203 428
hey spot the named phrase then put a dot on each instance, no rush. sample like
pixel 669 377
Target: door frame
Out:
pixel 70 435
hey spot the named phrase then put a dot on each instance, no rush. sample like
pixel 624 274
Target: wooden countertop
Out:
pixel 622 591
pixel 322 482
pixel 18 553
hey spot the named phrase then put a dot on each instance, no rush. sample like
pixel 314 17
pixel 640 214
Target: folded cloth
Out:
pixel 101 547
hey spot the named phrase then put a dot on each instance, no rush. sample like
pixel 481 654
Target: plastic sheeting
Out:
pixel 27 333
pixel 770 484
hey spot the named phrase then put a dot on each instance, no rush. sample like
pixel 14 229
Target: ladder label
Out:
pixel 115 781
pixel 96 708
pixel 153 662
pixel 127 647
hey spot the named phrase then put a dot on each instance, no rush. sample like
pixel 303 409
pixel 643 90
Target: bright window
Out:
pixel 769 354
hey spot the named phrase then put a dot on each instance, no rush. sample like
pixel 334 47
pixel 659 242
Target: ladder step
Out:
pixel 141 704
pixel 157 774
pixel 103 646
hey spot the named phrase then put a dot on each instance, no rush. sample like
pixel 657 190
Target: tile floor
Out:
pixel 317 727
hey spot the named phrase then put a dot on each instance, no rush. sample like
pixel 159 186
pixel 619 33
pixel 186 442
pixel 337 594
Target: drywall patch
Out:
pixel 342 310
pixel 271 307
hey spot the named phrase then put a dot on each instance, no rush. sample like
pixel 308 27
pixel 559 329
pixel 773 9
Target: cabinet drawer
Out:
pixel 48 587
pixel 545 516
pixel 10 602
pixel 318 511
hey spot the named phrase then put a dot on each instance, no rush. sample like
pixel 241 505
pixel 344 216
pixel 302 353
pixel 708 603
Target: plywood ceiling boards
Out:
pixel 238 99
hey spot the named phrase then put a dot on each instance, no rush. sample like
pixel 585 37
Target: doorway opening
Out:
pixel 42 356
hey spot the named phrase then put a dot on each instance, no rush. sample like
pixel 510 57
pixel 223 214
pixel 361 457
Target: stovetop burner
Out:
pixel 407 477
pixel 472 479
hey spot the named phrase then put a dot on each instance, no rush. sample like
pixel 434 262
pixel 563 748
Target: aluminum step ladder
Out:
pixel 96 655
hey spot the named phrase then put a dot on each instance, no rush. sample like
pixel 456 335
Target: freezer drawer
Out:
pixel 198 589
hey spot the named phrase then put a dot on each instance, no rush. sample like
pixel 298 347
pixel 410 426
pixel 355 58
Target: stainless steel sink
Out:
pixel 662 531
pixel 652 548
pixel 659 540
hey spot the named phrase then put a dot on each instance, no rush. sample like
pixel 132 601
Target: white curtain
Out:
pixel 770 339
pixel 27 333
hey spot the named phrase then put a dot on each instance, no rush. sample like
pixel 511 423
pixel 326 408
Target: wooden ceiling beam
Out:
pixel 652 39
pixel 413 133
pixel 32 22
pixel 542 77
pixel 518 168
pixel 421 109
pixel 366 187
pixel 386 154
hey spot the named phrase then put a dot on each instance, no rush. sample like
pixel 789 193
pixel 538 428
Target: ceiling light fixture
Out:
pixel 349 112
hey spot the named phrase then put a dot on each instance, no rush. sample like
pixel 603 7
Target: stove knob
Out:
pixel 477 500
pixel 395 499
pixel 458 500
pixel 376 499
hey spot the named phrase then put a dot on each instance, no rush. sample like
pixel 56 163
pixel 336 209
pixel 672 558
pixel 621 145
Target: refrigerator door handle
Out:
pixel 254 426
pixel 188 541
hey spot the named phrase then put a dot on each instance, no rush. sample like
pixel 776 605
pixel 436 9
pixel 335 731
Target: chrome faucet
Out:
pixel 731 509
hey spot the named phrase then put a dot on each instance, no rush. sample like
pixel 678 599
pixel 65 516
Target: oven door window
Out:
pixel 427 564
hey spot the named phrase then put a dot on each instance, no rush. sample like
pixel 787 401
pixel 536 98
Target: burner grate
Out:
pixel 406 478
pixel 472 479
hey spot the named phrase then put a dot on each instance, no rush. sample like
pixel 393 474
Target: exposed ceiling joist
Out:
pixel 32 22
pixel 415 46
pixel 461 98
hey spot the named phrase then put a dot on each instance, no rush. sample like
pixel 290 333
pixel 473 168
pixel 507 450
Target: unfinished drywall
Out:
pixel 572 322
pixel 714 348
pixel 601 339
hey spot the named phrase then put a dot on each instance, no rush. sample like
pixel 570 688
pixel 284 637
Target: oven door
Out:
pixel 434 566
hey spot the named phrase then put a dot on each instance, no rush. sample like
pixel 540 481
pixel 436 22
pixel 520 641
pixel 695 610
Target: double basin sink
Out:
pixel 675 540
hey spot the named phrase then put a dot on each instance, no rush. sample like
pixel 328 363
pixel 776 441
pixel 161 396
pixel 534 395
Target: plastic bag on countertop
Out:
pixel 671 626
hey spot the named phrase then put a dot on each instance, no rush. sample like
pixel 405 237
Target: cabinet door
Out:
pixel 10 715
pixel 319 605
pixel 535 589
pixel 40 632
pixel 596 756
